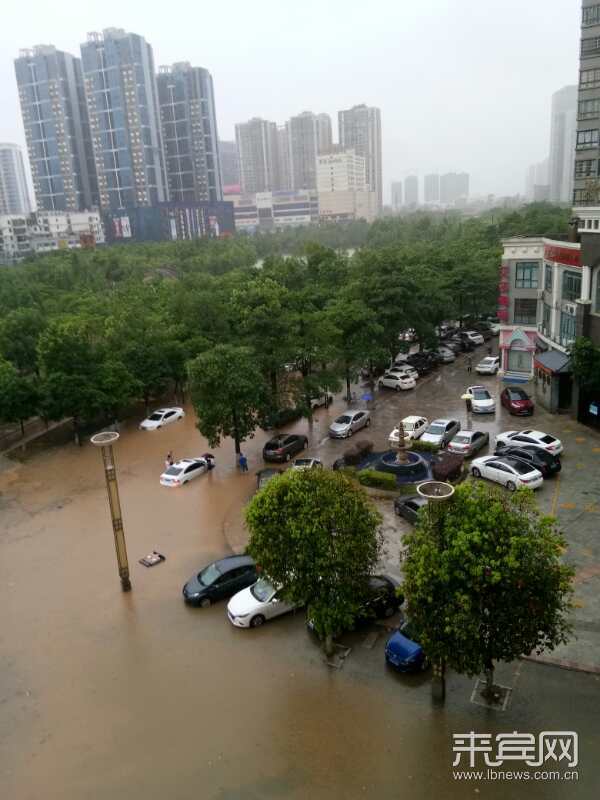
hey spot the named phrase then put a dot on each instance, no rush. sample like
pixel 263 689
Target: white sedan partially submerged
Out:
pixel 253 606
pixel 162 417
pixel 183 471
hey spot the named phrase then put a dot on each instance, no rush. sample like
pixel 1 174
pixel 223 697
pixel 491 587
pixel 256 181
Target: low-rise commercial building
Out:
pixel 268 210
pixel 45 231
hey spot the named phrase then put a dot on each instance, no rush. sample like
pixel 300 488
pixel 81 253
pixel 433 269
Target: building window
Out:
pixel 526 275
pixel 587 139
pixel 588 109
pixel 571 286
pixel 587 167
pixel 589 78
pixel 597 297
pixel 590 15
pixel 583 197
pixel 546 317
pixel 567 329
pixel 590 46
pixel 548 277
pixel 525 312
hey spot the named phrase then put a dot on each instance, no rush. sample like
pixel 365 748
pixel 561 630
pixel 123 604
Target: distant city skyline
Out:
pixel 493 135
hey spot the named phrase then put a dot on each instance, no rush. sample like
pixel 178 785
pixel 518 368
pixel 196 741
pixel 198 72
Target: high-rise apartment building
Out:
pixel 397 195
pixel 454 187
pixel 283 180
pixel 257 143
pixel 230 163
pixel 302 135
pixel 57 131
pixel 341 172
pixel 586 191
pixel 14 192
pixel 411 191
pixel 431 188
pixel 360 130
pixel 324 136
pixel 189 133
pixel 537 181
pixel 563 132
pixel 122 101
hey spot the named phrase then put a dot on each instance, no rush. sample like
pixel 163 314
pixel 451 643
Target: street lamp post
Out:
pixel 436 493
pixel 105 442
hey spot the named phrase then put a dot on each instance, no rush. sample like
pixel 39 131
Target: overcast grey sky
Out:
pixel 462 84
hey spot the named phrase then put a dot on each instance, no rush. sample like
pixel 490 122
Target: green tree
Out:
pixel 228 392
pixel 585 357
pixel 315 533
pixel 19 333
pixel 484 580
pixel 19 397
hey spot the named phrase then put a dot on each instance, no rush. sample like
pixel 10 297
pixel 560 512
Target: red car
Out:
pixel 517 401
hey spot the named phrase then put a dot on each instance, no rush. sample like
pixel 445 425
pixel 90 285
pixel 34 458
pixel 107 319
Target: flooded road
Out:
pixel 127 696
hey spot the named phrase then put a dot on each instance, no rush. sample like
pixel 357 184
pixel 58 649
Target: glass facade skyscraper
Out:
pixel 189 128
pixel 122 102
pixel 56 129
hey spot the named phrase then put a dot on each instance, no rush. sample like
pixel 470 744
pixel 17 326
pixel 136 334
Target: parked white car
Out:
pixel 404 369
pixel 350 422
pixel 397 381
pixel 474 337
pixel 413 428
pixel 253 606
pixel 322 401
pixel 307 463
pixel 184 471
pixel 162 417
pixel 536 438
pixel 510 472
pixel 488 365
pixel 482 402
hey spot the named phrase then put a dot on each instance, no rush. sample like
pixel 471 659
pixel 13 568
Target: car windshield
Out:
pixel 343 420
pixel 520 467
pixel 437 430
pixel 173 471
pixel 209 575
pixel 303 462
pixel 518 394
pixel 480 394
pixel 154 417
pixel 547 439
pixel 263 590
pixel 462 438
pixel 488 361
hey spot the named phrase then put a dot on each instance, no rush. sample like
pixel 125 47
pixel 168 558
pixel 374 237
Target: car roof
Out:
pixel 412 418
pixel 470 434
pixel 442 421
pixel 185 462
pixel 233 562
pixel 477 386
pixel 398 641
pixel 414 498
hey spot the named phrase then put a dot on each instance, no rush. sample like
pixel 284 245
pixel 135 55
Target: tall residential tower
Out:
pixel 189 130
pixel 122 101
pixel 57 130
pixel 360 130
pixel 257 143
pixel 14 193
pixel 563 131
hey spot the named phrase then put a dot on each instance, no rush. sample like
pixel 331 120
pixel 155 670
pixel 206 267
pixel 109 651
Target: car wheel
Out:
pixel 397 388
pixel 305 442
pixel 287 456
pixel 475 472
pixel 510 486
pixel 368 422
pixel 257 621
pixel 205 602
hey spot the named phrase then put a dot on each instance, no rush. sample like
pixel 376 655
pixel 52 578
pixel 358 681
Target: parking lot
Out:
pixel 112 695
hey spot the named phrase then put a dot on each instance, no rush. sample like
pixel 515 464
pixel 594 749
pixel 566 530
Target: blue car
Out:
pixel 403 653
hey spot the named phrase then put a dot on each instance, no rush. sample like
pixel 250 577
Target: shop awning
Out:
pixel 553 362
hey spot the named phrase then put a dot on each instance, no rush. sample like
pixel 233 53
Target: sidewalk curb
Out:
pixel 574 666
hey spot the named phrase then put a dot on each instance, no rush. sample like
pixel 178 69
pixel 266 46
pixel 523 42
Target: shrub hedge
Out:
pixel 376 479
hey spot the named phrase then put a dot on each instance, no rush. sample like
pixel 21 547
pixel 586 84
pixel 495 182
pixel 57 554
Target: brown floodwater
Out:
pixel 125 696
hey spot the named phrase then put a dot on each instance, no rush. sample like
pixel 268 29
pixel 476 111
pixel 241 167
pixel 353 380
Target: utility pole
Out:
pixel 105 442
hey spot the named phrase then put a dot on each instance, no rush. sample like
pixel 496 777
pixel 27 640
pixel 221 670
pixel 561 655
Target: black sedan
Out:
pixel 409 507
pixel 283 446
pixel 382 600
pixel 221 579
pixel 546 463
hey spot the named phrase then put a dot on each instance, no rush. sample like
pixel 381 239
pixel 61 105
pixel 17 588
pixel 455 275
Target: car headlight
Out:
pixel 241 616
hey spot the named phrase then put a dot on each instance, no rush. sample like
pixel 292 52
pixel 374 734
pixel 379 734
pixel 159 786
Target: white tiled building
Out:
pixel 23 236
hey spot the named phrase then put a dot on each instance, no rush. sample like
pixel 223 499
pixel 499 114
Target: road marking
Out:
pixel 580 439
pixel 568 505
pixel 595 449
pixel 593 508
pixel 579 466
pixel 555 496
